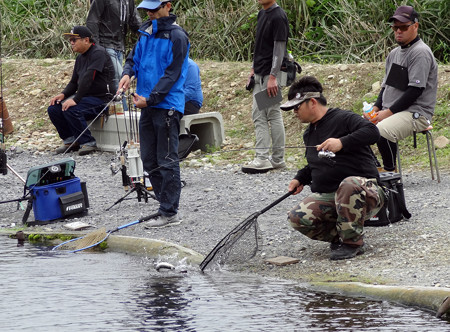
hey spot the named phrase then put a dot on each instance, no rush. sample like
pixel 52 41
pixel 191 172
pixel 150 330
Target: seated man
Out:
pixel 193 94
pixel 344 182
pixel 85 96
pixel 408 93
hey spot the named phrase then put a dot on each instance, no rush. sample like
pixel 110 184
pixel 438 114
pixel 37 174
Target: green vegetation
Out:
pixel 322 31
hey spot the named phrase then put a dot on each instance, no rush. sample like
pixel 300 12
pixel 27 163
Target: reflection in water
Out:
pixel 53 291
pixel 162 304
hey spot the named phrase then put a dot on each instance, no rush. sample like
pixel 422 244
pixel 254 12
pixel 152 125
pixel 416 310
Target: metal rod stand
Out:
pixel 141 191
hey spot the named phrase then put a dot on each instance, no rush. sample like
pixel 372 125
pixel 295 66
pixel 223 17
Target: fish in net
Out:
pixel 242 243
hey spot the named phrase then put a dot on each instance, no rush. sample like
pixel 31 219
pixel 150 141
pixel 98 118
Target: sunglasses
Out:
pixel 402 28
pixel 156 9
pixel 74 39
pixel 296 108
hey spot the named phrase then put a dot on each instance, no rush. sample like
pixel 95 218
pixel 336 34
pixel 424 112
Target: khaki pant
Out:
pixel 401 125
pixel 269 126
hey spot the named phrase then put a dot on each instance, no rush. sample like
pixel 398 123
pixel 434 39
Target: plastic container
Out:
pixel 290 56
pixel 368 110
pixel 46 202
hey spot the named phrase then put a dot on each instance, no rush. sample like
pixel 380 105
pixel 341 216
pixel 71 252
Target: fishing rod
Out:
pixel 3 159
pixel 323 154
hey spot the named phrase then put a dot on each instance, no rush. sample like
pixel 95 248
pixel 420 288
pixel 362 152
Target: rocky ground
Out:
pixel 218 196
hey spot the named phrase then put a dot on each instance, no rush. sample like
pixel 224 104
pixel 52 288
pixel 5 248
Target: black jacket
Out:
pixel 355 159
pixel 92 75
pixel 109 21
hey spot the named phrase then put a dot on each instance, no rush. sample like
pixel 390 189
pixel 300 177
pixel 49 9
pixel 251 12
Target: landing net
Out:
pixel 238 246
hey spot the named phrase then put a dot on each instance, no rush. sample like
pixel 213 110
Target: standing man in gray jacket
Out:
pixel 109 21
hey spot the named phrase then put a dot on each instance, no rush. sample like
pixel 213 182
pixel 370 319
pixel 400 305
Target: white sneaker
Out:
pixel 257 166
pixel 163 221
pixel 276 165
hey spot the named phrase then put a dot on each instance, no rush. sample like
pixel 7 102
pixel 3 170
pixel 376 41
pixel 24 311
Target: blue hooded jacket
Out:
pixel 159 62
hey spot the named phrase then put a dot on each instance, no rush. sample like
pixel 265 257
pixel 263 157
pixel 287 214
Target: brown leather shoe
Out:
pixel 86 149
pixel 65 148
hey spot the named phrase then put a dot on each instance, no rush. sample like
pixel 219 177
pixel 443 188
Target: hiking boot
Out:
pixel 86 149
pixel 257 166
pixel 163 221
pixel 335 246
pixel 63 148
pixel 276 165
pixel 345 251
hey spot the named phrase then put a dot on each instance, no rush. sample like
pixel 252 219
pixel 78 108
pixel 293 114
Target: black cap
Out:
pixel 405 14
pixel 79 31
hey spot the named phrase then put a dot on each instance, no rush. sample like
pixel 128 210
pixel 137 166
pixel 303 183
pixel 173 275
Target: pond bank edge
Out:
pixel 435 299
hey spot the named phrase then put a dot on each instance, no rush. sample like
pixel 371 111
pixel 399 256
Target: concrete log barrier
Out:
pixel 152 248
pixel 428 298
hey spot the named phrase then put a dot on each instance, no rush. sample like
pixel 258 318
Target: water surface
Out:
pixel 45 290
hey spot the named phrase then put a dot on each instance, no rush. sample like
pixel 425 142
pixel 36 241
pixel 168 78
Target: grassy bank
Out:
pixel 346 86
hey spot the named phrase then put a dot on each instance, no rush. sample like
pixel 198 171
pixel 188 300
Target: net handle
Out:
pixel 282 198
pixel 136 222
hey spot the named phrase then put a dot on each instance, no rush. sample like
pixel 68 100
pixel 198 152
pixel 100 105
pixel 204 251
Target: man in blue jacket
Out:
pixel 159 61
pixel 193 89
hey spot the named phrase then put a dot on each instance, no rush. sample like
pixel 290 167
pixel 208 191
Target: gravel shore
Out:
pixel 216 198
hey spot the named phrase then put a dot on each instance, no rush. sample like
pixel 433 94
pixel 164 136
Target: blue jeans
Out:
pixel 117 60
pixel 158 132
pixel 71 123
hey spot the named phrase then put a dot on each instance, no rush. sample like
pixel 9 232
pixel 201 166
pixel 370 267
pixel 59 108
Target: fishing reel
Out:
pixel 128 161
pixel 327 157
pixel 326 154
pixel 119 160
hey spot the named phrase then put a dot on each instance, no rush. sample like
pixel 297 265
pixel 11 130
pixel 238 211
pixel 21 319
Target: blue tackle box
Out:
pixel 55 190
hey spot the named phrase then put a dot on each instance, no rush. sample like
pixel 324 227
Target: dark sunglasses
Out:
pixel 73 39
pixel 402 28
pixel 156 9
pixel 296 108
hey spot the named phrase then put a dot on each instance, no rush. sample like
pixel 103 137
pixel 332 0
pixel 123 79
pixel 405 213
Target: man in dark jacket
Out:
pixel 86 95
pixel 341 172
pixel 272 33
pixel 109 21
pixel 159 61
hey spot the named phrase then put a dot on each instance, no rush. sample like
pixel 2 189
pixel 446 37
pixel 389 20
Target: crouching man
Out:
pixel 340 170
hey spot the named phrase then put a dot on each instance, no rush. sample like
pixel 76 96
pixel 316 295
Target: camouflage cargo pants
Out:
pixel 341 214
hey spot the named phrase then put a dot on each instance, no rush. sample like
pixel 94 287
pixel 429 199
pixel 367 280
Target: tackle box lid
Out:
pixel 63 168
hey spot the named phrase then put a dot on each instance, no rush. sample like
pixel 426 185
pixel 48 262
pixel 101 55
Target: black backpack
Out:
pixel 394 208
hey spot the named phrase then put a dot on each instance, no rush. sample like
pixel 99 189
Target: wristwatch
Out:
pixel 415 115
